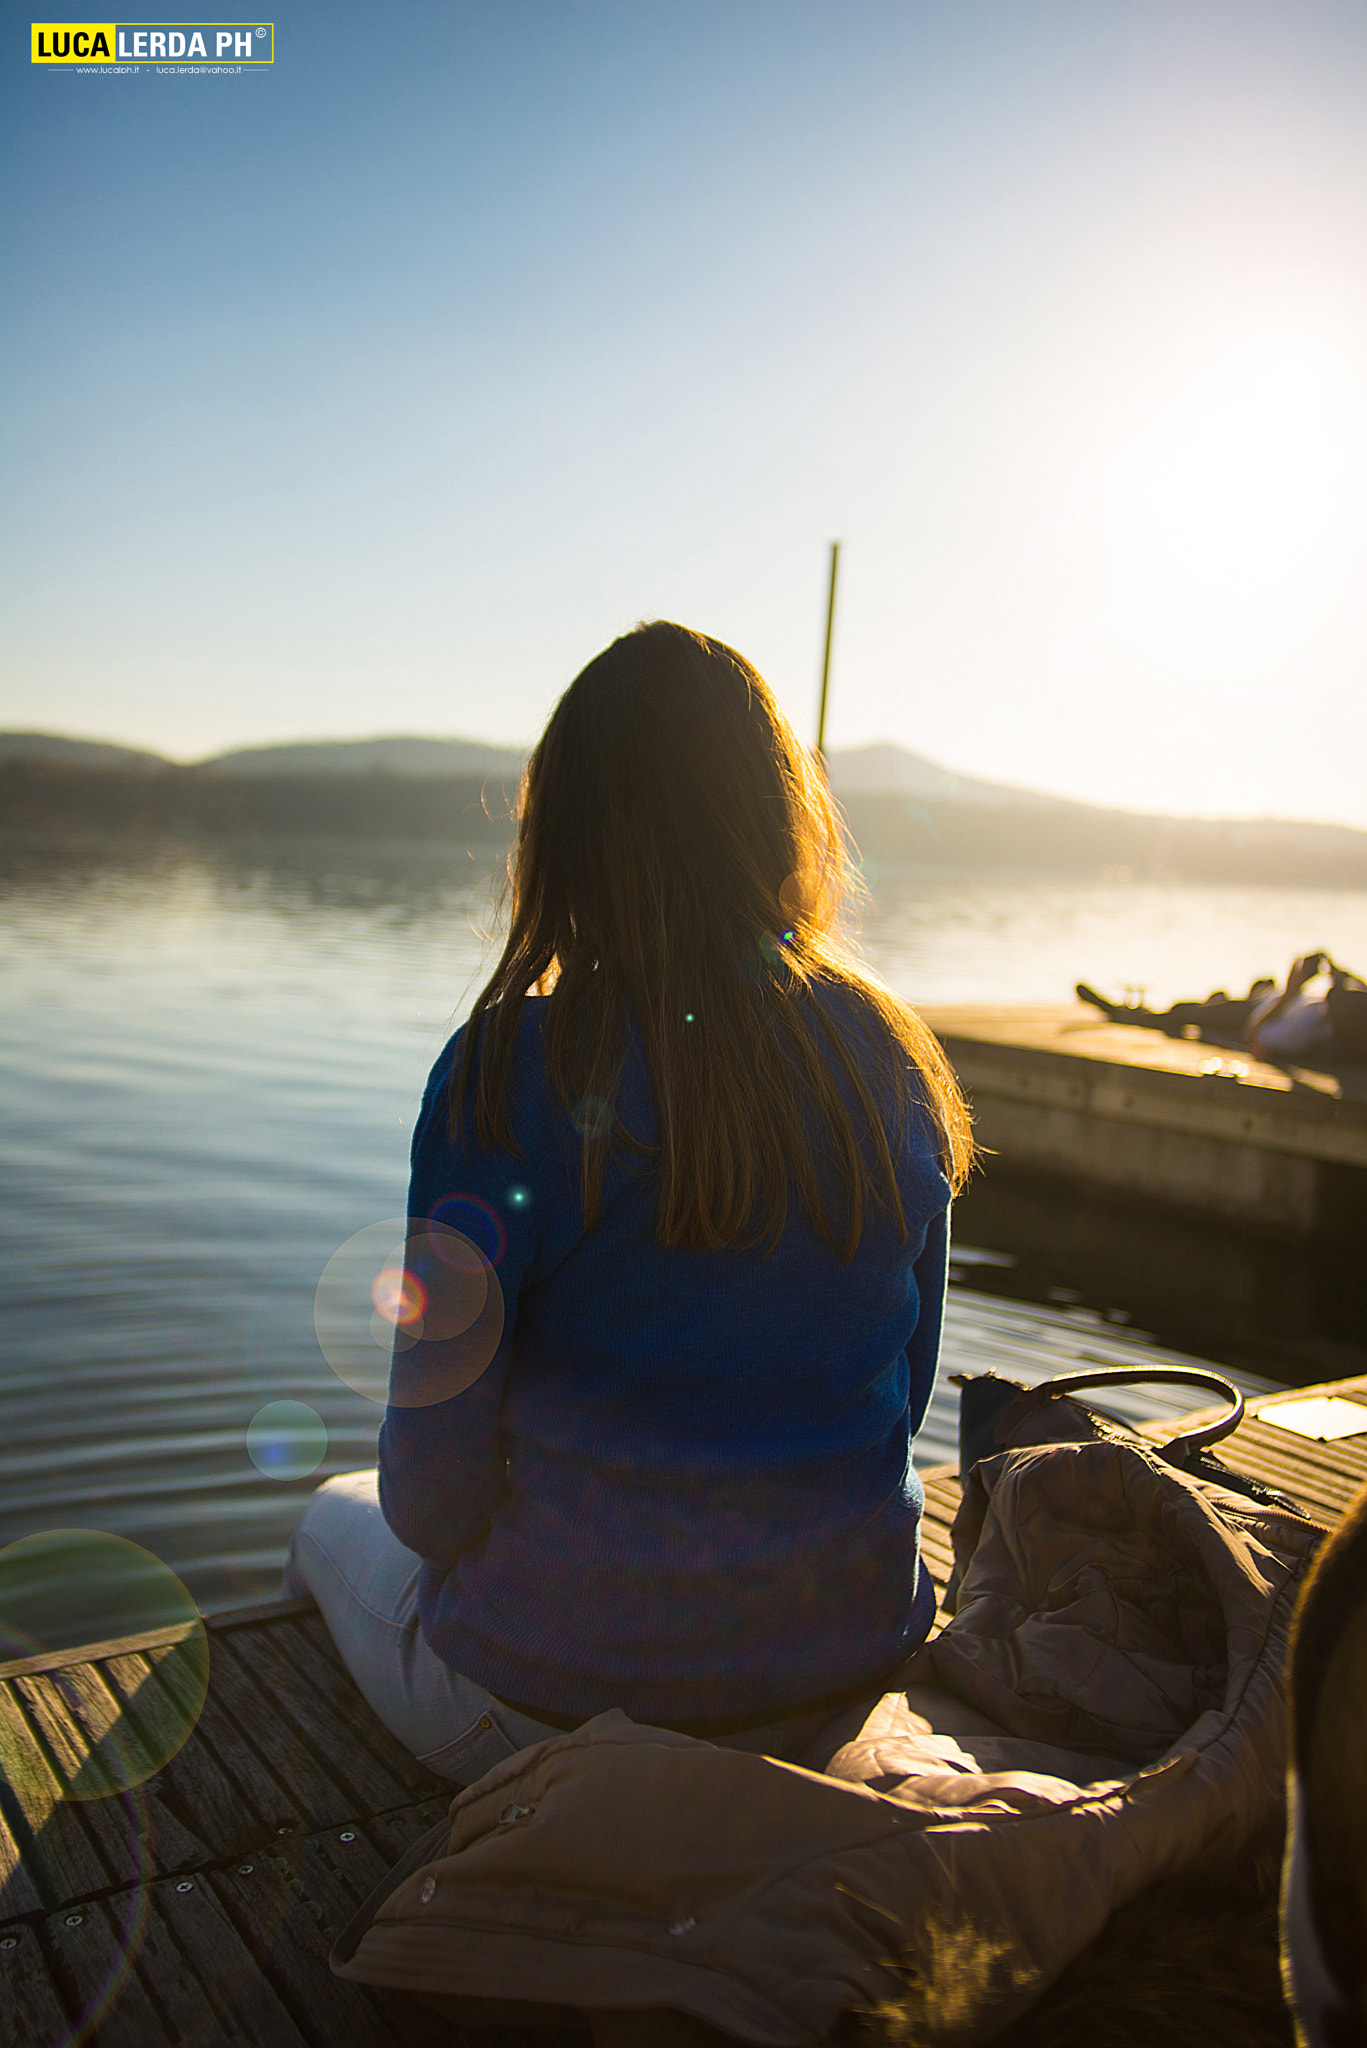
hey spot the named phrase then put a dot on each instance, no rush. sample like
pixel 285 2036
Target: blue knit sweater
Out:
pixel 683 1485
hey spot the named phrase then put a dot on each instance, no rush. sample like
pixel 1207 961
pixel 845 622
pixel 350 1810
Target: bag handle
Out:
pixel 1180 1448
pixel 985 1397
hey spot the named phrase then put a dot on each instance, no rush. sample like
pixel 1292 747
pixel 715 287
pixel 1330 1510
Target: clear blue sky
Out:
pixel 376 391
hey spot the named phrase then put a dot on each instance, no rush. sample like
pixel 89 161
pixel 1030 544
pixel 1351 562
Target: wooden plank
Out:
pixel 1289 1481
pixel 1071 1059
pixel 313 1650
pixel 289 1906
pixel 1352 1449
pixel 80 1704
pixel 18 1892
pixel 418 1782
pixel 1262 1450
pixel 59 1854
pixel 315 1797
pixel 75 1713
pixel 294 1903
pixel 258 1803
pixel 325 1704
pixel 59 1703
pixel 205 1979
pixel 159 1638
pixel 939 1517
pixel 89 1653
pixel 260 1610
pixel 194 1814
pixel 1344 1463
pixel 96 1953
pixel 1355 1384
pixel 1310 1473
pixel 943 1493
pixel 31 2014
pixel 938 1529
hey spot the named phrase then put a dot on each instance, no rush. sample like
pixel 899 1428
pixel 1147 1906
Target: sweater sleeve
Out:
pixel 931 1273
pixel 442 1463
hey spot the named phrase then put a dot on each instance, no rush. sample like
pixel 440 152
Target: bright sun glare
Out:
pixel 1236 514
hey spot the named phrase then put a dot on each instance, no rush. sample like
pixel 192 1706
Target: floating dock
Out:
pixel 1177 1121
pixel 199 1909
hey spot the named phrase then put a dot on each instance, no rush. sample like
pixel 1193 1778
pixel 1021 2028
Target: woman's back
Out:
pixel 683 1483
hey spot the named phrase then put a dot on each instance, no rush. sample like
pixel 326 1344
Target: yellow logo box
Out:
pixel 152 42
pixel 98 41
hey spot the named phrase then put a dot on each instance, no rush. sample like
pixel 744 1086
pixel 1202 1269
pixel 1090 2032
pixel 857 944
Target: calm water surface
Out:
pixel 212 1063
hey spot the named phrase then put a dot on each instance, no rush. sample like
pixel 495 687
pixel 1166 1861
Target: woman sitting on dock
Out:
pixel 714 1158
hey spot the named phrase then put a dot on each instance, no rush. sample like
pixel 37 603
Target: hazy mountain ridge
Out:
pixel 885 769
pixel 880 769
pixel 54 747
pixel 900 806
pixel 394 754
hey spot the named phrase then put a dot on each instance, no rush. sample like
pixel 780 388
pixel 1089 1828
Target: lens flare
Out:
pixel 463 1321
pixel 390 1337
pixel 110 1725
pixel 399 1297
pixel 476 1219
pixel 287 1440
pixel 415 1297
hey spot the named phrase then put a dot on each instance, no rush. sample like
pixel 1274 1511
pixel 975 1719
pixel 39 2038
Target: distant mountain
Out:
pixel 51 746
pixel 885 769
pixel 901 807
pixel 882 769
pixel 400 754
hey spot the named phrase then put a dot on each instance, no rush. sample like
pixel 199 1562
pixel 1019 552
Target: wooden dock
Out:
pixel 199 1909
pixel 1059 1090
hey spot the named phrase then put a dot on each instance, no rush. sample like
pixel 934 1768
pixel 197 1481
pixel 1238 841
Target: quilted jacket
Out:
pixel 1106 1707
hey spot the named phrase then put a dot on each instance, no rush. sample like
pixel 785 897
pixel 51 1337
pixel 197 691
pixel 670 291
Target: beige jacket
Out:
pixel 1105 1708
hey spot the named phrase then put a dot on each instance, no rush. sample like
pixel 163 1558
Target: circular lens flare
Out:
pixel 409 1312
pixel 476 1219
pixel 399 1296
pixel 287 1440
pixel 114 1723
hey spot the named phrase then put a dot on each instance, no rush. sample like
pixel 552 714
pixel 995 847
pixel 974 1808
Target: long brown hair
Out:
pixel 679 862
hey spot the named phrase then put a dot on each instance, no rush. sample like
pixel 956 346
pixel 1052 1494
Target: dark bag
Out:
pixel 997 1414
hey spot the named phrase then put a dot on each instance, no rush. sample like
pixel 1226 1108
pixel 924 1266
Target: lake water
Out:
pixel 212 1062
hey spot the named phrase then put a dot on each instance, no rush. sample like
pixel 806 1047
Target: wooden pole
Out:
pixel 826 658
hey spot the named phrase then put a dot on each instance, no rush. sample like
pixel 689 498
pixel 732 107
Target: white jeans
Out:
pixel 366 1586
